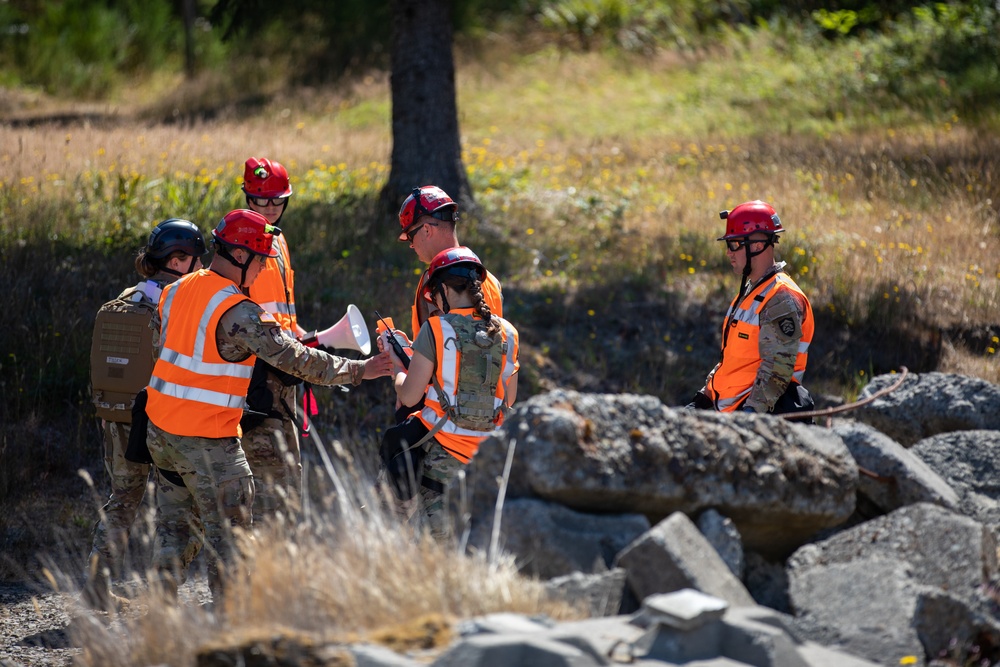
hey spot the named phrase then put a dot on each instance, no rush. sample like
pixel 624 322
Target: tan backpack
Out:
pixel 121 355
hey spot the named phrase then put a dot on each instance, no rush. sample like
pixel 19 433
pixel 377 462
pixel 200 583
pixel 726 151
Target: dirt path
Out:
pixel 34 627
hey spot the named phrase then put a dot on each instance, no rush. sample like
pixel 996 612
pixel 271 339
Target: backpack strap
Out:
pixel 151 290
pixel 503 409
pixel 430 434
pixel 440 423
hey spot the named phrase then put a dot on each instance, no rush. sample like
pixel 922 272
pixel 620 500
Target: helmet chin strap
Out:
pixel 745 279
pixel 190 268
pixel 284 206
pixel 444 300
pixel 769 241
pixel 243 266
pixel 167 269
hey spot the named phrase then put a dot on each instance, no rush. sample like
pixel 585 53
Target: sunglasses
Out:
pixel 411 233
pixel 267 201
pixel 736 245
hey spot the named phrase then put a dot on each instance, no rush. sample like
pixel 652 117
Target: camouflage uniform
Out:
pixel 217 485
pixel 780 331
pixel 218 480
pixel 781 321
pixel 272 448
pixel 440 467
pixel 179 529
pixel 128 486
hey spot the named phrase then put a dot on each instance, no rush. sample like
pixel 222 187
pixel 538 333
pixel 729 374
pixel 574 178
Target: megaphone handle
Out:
pixel 310 340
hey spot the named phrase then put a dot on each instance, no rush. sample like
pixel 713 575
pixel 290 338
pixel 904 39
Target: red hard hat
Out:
pixel 750 217
pixel 458 261
pixel 264 178
pixel 247 229
pixel 426 200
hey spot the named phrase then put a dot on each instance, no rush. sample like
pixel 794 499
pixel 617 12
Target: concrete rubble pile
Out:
pixel 712 540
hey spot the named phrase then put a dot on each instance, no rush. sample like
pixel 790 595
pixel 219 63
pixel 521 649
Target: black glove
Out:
pixel 700 402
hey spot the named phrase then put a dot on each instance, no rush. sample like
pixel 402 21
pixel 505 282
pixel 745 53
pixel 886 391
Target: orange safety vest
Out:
pixel 274 288
pixel 460 442
pixel 734 378
pixel 492 295
pixel 193 390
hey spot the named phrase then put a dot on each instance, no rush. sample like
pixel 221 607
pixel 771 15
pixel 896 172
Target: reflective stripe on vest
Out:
pixel 733 380
pixel 274 288
pixel 462 443
pixel 194 391
pixel 492 295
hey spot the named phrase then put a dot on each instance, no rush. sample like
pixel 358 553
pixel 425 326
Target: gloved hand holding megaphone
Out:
pixel 349 333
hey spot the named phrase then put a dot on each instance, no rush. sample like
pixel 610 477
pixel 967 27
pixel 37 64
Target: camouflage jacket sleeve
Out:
pixel 780 332
pixel 154 324
pixel 247 329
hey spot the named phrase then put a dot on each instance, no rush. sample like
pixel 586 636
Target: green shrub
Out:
pixel 931 58
pixel 76 48
pixel 633 26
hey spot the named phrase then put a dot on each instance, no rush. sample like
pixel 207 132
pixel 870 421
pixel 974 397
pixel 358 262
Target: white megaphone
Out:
pixel 349 333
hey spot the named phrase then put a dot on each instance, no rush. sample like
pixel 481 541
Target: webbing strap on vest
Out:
pixel 440 422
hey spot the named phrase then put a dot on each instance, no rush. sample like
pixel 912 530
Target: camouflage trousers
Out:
pixel 218 487
pixel 428 509
pixel 272 450
pixel 111 532
pixel 440 470
pixel 179 519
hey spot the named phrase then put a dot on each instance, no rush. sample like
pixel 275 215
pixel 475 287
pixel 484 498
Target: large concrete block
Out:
pixel 508 650
pixel 674 555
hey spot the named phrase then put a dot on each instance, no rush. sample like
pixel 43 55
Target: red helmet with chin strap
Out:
pixel 249 230
pixel 749 218
pixel 426 200
pixel 265 178
pixel 458 261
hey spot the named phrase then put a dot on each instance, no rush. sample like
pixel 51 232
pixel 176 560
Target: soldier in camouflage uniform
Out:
pixel 212 335
pixel 769 326
pixel 174 249
pixel 465 392
pixel 270 433
pixel 271 427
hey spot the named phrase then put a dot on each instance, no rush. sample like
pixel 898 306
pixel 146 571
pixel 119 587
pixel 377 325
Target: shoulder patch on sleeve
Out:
pixel 787 326
pixel 267 318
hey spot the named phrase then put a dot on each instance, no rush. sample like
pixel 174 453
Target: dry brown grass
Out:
pixel 362 577
pixel 882 224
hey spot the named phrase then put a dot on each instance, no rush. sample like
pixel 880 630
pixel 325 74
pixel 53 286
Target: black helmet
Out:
pixel 175 234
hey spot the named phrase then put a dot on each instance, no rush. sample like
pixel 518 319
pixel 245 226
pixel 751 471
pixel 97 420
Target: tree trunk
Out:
pixel 188 15
pixel 426 149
